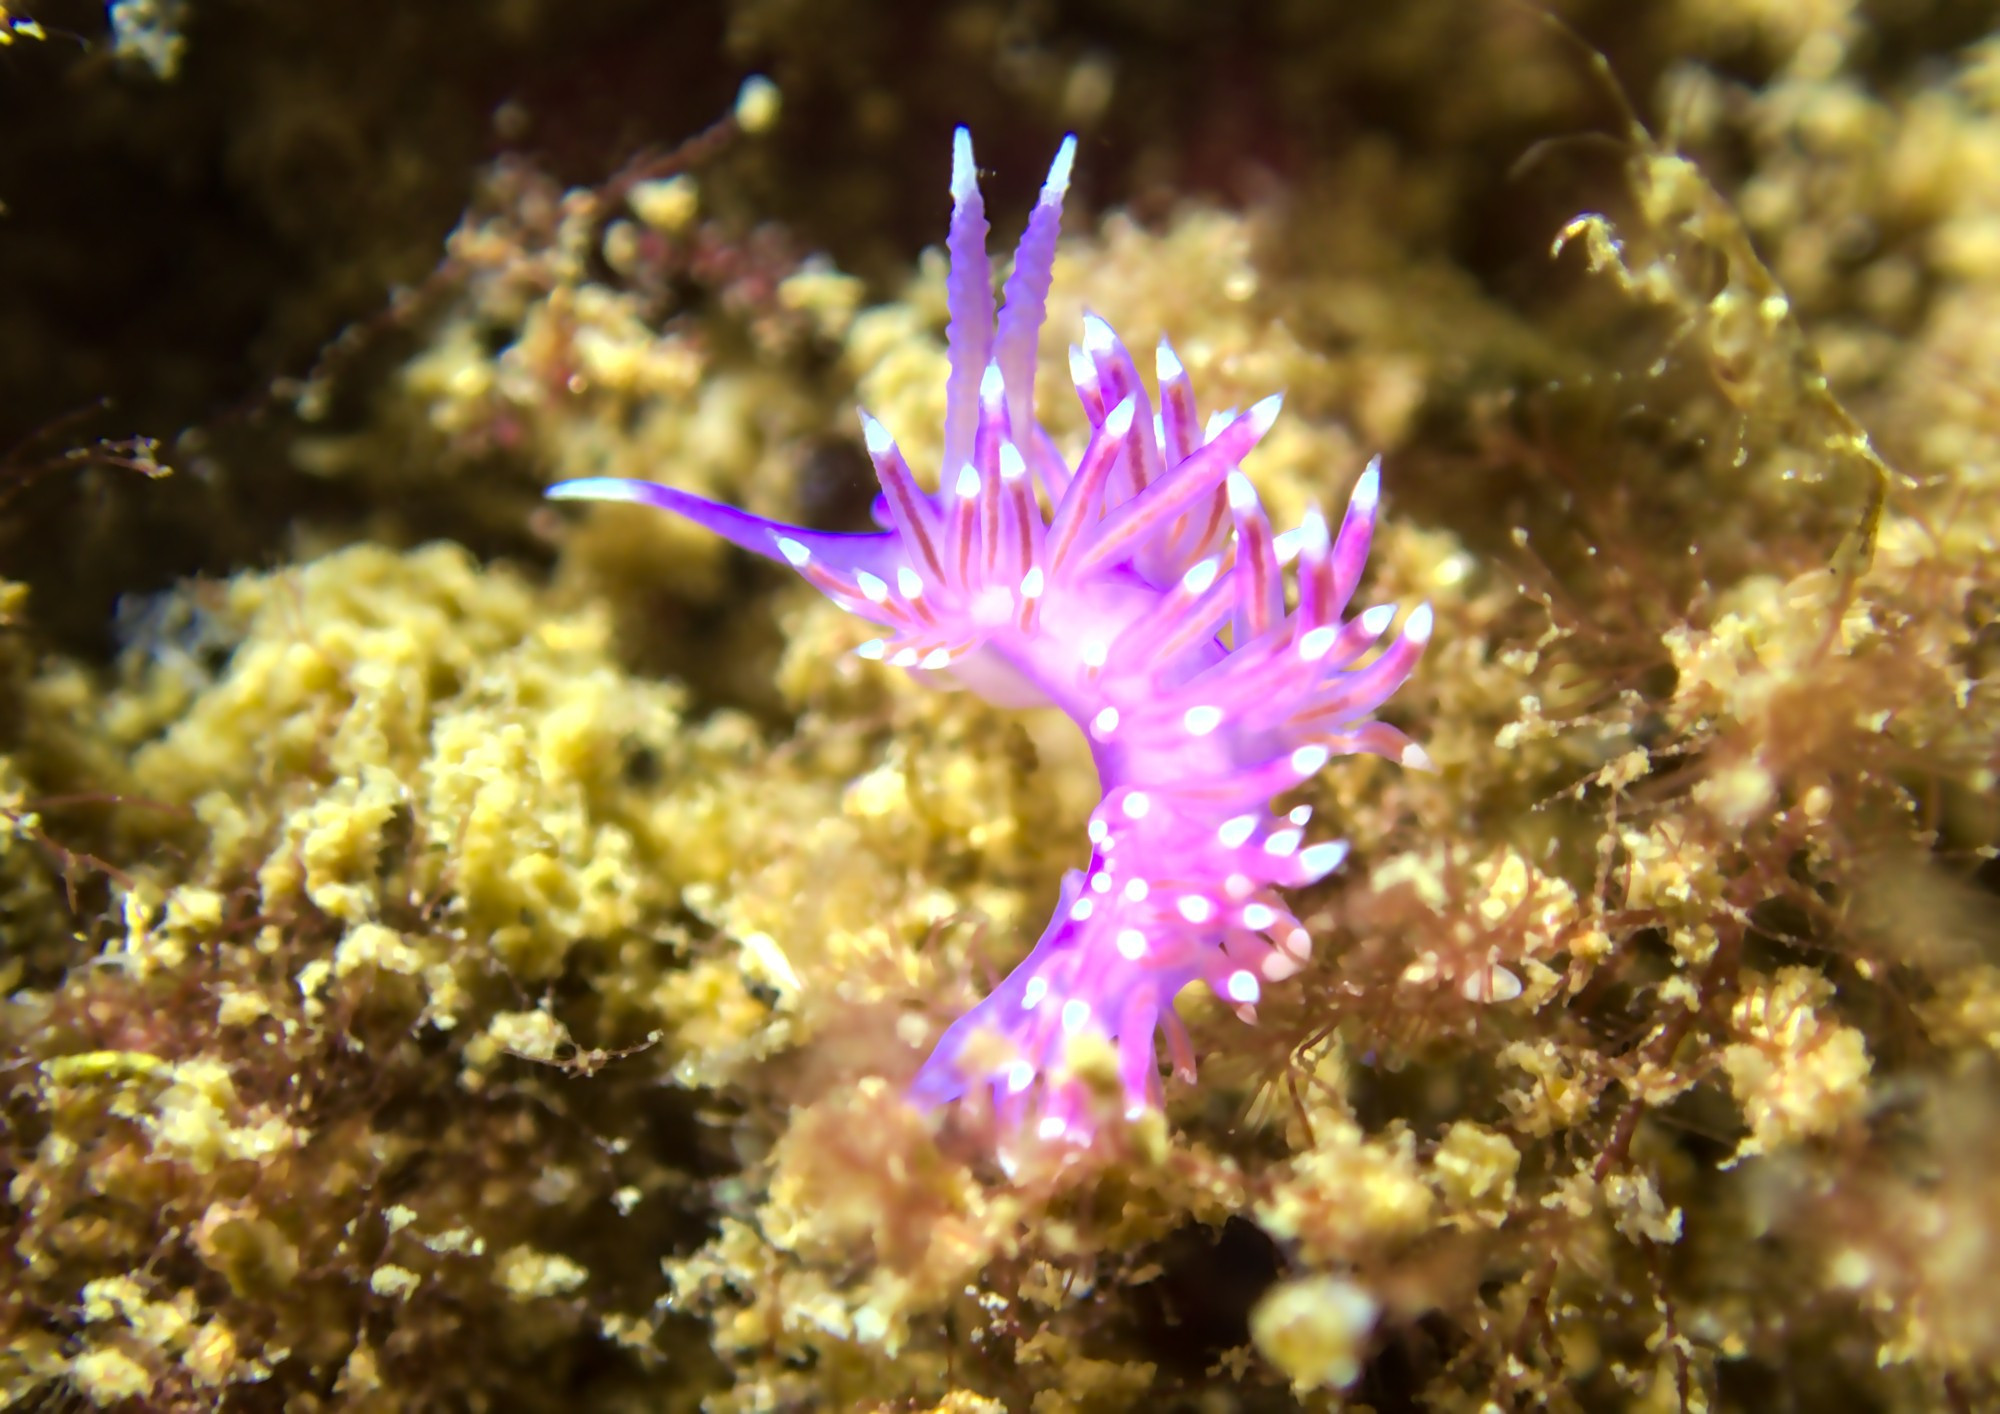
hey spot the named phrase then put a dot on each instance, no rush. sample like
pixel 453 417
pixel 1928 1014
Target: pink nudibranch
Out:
pixel 1142 591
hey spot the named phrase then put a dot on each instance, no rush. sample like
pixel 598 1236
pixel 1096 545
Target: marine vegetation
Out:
pixel 1107 602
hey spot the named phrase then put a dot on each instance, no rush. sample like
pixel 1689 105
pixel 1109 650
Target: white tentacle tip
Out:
pixel 1056 184
pixel 1416 758
pixel 1119 421
pixel 875 436
pixel 597 488
pixel 1264 413
pixel 1368 490
pixel 1316 643
pixel 1097 336
pixel 1316 861
pixel 964 176
pixel 1418 629
pixel 992 384
pixel 1312 533
pixel 1167 364
pixel 796 554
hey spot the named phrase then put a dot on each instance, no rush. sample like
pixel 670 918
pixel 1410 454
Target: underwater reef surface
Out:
pixel 460 953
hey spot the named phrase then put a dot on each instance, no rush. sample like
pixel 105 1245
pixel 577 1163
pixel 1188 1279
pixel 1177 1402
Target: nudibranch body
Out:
pixel 1142 591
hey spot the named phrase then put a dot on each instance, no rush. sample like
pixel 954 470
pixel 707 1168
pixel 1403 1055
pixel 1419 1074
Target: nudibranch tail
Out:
pixel 1148 602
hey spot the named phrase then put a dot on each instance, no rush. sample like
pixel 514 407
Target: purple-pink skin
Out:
pixel 1106 588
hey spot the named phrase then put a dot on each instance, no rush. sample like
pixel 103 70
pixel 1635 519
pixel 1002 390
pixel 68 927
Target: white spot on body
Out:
pixel 993 607
pixel 1281 843
pixel 1032 994
pixel 1131 944
pixel 1075 1015
pixel 1242 987
pixel 1197 580
pixel 1317 643
pixel 1200 721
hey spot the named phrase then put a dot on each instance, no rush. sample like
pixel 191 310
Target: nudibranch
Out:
pixel 1142 591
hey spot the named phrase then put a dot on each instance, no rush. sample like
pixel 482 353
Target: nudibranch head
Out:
pixel 1141 588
